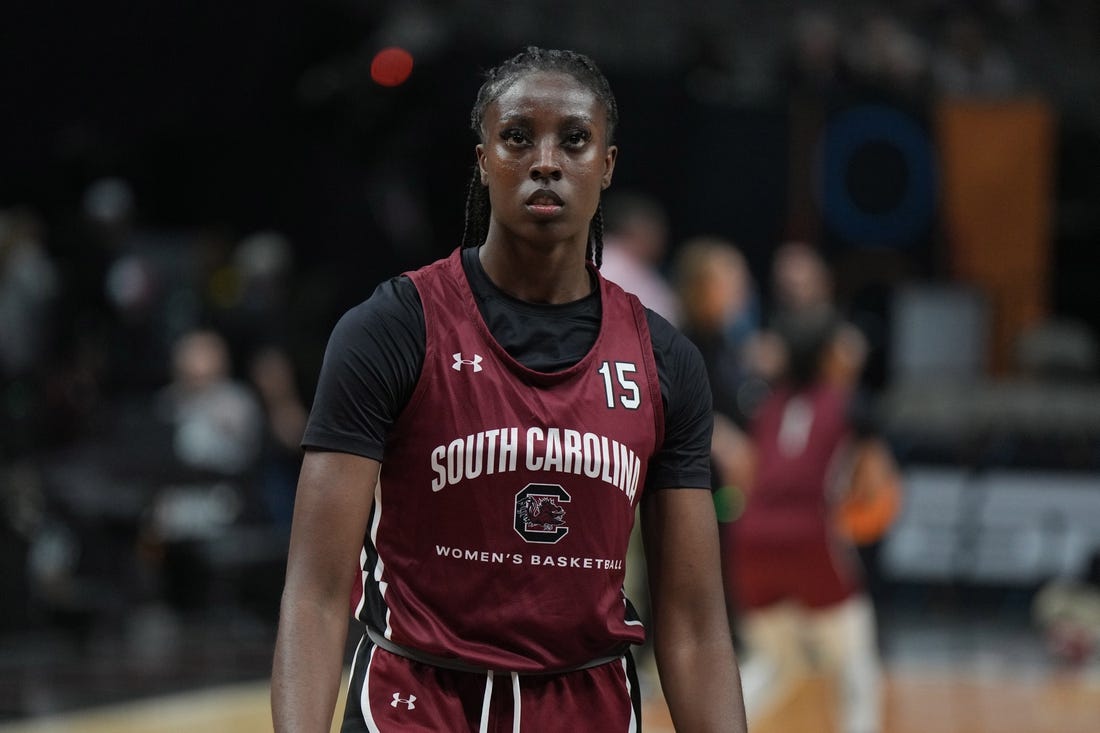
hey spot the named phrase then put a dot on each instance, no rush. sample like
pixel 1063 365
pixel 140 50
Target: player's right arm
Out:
pixel 335 493
pixel 371 366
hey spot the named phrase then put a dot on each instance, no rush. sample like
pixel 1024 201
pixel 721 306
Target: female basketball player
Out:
pixel 483 431
pixel 793 569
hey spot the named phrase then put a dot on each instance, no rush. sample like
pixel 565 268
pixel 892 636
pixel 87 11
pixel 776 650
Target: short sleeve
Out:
pixel 683 460
pixel 370 369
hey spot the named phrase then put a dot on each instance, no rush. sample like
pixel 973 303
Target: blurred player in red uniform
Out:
pixel 792 567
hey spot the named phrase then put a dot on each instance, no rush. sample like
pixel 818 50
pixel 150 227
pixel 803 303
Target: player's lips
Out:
pixel 544 202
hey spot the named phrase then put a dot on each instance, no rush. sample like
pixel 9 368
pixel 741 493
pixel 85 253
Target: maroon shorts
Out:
pixel 390 693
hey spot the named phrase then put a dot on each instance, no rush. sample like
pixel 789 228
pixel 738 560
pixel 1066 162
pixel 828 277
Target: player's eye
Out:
pixel 514 136
pixel 577 138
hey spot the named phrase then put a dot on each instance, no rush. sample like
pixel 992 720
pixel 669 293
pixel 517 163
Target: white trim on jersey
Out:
pixel 363 572
pixel 380 566
pixel 632 727
pixel 364 698
pixel 354 661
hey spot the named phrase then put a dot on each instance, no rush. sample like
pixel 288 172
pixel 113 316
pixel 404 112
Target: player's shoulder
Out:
pixel 670 342
pixel 396 296
pixel 393 301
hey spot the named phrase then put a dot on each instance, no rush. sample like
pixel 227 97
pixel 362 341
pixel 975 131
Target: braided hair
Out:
pixel 497 80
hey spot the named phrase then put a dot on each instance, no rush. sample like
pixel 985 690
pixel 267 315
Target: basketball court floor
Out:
pixel 918 701
pixel 958 672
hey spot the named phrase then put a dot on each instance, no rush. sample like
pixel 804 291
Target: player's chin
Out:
pixel 548 230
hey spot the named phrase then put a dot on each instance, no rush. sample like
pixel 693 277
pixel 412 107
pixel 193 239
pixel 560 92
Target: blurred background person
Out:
pixel 29 288
pixel 970 64
pixel 800 281
pixel 151 283
pixel 813 65
pixel 29 291
pixel 275 379
pixel 249 293
pixel 203 531
pixel 635 245
pixel 793 574
pixel 217 420
pixel 720 307
pixel 719 304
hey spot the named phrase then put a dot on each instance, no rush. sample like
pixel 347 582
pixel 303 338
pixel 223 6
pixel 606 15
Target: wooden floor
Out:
pixel 917 701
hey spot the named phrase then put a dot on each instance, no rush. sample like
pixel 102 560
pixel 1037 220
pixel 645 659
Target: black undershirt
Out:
pixel 546 338
pixel 374 355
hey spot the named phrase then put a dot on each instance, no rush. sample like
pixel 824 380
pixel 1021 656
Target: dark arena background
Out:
pixel 231 177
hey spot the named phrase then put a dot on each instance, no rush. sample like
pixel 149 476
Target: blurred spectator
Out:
pixel 150 283
pixel 718 301
pixel 889 58
pixel 217 421
pixel 273 375
pixel 28 289
pixel 801 281
pixel 635 240
pixel 216 425
pixel 248 295
pixel 801 284
pixel 1067 612
pixel 815 64
pixel 969 64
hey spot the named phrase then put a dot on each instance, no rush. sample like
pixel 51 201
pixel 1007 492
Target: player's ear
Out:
pixel 609 159
pixel 479 149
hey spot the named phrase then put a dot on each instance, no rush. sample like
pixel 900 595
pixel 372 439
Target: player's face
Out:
pixel 545 157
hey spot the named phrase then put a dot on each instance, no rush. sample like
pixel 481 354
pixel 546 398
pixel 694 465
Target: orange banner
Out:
pixel 996 163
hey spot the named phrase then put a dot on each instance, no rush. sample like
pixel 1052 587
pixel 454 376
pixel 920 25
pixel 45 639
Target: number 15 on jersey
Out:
pixel 617 382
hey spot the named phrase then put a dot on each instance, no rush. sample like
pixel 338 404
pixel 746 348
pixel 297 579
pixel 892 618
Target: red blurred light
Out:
pixel 391 66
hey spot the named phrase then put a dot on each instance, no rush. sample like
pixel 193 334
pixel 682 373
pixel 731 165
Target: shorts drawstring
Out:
pixel 485 702
pixel 515 702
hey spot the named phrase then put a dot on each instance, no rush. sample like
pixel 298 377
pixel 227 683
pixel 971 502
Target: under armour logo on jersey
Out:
pixel 459 362
pixel 408 702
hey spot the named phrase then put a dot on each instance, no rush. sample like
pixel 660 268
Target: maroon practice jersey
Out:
pixel 502 517
pixel 784 547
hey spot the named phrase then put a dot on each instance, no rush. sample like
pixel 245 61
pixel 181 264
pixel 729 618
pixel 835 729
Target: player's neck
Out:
pixel 537 274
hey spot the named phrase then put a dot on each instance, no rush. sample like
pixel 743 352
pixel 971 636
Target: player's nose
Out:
pixel 546 164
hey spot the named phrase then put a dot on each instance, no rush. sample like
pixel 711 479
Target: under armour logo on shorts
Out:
pixel 459 361
pixel 408 702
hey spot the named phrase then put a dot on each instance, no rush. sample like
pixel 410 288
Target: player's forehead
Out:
pixel 546 93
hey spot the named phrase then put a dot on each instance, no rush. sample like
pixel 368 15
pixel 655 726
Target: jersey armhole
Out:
pixel 653 381
pixel 429 347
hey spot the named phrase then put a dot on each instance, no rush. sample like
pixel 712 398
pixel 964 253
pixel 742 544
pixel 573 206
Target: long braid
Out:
pixel 595 238
pixel 476 226
pixel 532 59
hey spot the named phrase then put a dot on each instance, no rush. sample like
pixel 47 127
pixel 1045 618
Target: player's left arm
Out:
pixel 690 626
pixel 691 633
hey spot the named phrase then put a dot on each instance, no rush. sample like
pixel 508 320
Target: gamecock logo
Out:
pixel 540 516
